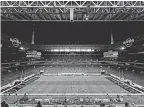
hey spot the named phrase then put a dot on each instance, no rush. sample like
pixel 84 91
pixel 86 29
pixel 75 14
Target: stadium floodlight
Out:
pixel 87 18
pixel 67 50
pixel 73 50
pixel 83 50
pixel 61 50
pixel 88 50
pixel 21 48
pixel 92 50
pixel 122 48
pixel 55 50
pixel 77 50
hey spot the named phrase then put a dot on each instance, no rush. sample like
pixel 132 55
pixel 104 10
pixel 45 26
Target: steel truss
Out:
pixel 72 10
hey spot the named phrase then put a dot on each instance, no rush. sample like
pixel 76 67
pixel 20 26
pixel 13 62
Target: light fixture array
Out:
pixel 72 50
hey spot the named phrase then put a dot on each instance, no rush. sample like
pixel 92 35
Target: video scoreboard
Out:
pixel 33 54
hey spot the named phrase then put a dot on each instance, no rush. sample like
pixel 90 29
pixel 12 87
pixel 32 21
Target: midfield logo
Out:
pixel 128 42
pixel 15 42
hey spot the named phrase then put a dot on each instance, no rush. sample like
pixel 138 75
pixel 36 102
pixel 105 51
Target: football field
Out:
pixel 71 84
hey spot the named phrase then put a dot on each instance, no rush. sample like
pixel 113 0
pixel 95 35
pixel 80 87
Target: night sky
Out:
pixel 72 33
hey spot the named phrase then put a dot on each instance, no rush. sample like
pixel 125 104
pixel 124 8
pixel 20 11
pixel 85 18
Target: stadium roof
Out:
pixel 72 10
